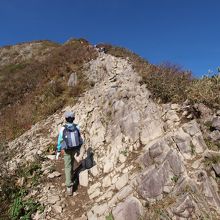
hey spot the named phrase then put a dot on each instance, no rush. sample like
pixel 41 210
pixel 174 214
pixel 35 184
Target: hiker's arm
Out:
pixel 60 138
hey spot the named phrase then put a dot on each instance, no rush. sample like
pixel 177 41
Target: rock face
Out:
pixel 72 80
pixel 216 123
pixel 149 162
pixel 83 178
pixel 130 209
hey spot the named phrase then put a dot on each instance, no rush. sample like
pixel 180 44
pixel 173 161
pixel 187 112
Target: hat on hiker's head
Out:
pixel 69 114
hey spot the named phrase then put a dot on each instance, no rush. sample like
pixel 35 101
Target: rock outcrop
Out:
pixel 150 162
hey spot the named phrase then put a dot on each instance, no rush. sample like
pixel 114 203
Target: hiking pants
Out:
pixel 69 161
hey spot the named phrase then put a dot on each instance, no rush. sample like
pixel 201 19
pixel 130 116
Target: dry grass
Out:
pixel 205 90
pixel 169 83
pixel 31 91
pixel 166 82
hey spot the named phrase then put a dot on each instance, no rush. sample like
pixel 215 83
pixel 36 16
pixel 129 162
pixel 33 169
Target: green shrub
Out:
pixel 23 209
pixel 109 217
pixel 175 178
pixel 12 196
pixel 31 173
pixel 193 150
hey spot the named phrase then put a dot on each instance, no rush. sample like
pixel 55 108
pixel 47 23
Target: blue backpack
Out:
pixel 71 138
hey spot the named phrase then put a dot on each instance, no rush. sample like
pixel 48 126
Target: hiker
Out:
pixel 69 144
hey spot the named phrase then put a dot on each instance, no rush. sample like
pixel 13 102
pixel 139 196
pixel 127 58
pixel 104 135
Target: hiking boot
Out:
pixel 69 191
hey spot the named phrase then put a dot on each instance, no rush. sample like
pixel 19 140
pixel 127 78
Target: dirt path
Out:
pixel 76 205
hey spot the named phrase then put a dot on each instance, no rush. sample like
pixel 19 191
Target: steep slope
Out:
pixel 33 84
pixel 150 158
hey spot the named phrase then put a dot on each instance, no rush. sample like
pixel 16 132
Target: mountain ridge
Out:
pixel 154 160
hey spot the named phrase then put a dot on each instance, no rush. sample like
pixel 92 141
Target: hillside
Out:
pixel 33 81
pixel 156 144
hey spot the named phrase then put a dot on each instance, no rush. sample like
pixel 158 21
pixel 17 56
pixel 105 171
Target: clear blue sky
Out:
pixel 184 32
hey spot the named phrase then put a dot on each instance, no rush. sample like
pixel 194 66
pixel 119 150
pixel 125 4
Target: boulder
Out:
pixel 94 171
pixel 151 130
pixel 106 181
pixel 99 210
pixel 108 167
pixel 54 174
pixel 72 80
pixel 57 208
pixel 122 181
pixel 199 143
pixel 216 123
pixel 130 209
pixel 191 128
pixel 172 116
pixel 215 135
pixel 216 168
pixel 151 183
pixel 184 208
pixel 130 125
pixel 124 192
pixel 208 189
pixel 158 151
pixel 153 180
pixel 183 142
pixel 95 194
pixel 93 188
pixel 84 178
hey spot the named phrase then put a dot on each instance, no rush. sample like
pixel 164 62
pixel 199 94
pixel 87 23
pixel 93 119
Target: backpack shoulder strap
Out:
pixel 65 130
pixel 65 126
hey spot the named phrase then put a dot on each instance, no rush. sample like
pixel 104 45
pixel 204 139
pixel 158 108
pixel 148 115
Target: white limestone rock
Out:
pixel 84 178
pixel 122 181
pixel 106 182
pixel 108 167
pixel 94 187
pixel 131 209
pixel 54 174
pixel 94 171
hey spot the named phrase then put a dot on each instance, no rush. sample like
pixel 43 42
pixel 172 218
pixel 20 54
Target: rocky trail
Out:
pixel 150 157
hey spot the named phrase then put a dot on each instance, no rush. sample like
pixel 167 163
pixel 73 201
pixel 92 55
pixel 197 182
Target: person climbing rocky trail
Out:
pixel 150 158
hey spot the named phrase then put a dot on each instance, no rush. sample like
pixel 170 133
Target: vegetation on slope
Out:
pixel 33 90
pixel 13 201
pixel 169 83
